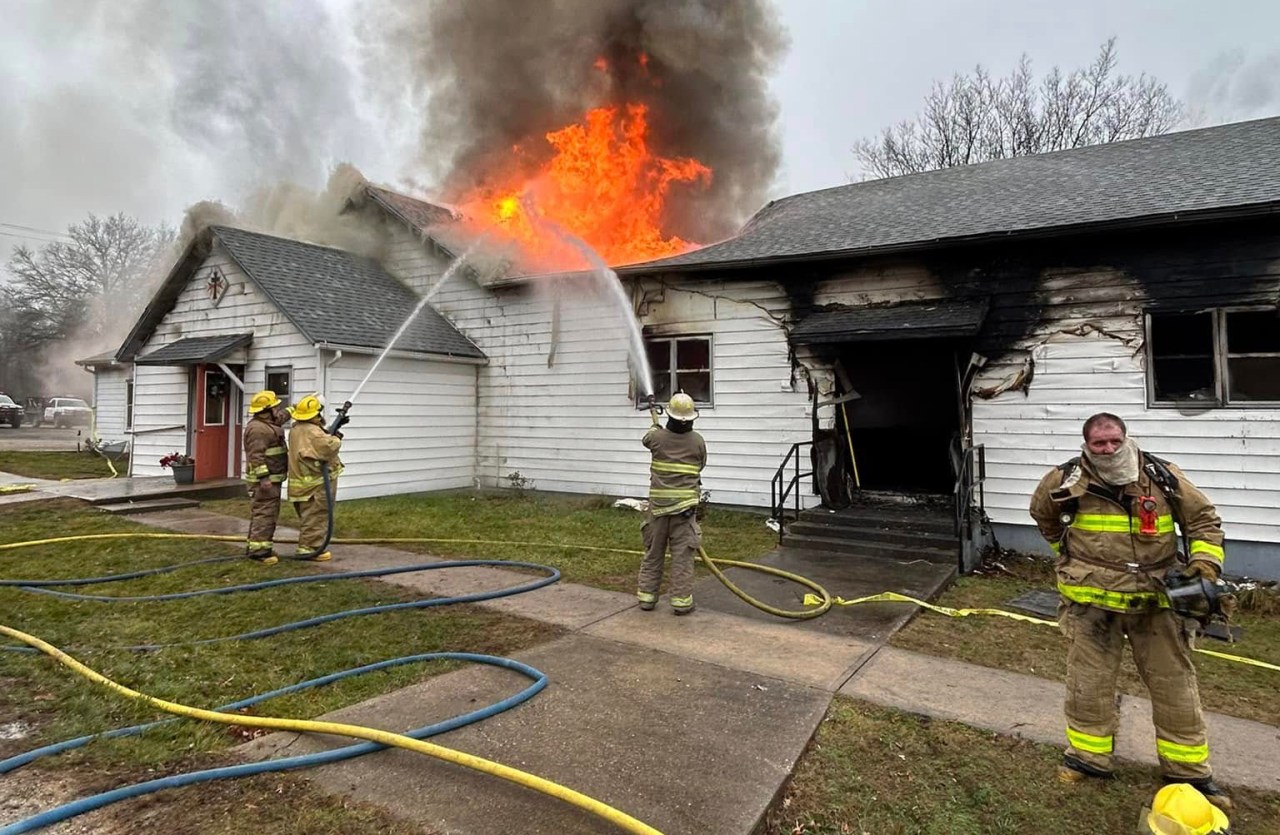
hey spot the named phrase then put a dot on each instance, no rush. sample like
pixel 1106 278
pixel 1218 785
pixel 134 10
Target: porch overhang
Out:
pixel 939 319
pixel 196 350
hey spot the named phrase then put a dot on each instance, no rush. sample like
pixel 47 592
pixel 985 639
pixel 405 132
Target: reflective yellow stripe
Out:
pixel 1199 546
pixel 277 478
pixel 646 597
pixel 667 510
pixel 672 467
pixel 672 492
pixel 1116 523
pixel 276 450
pixel 1119 600
pixel 257 546
pixel 1174 752
pixel 681 602
pixel 256 472
pixel 1089 743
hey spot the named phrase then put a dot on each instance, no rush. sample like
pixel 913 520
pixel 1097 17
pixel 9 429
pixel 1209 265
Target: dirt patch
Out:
pixel 29 792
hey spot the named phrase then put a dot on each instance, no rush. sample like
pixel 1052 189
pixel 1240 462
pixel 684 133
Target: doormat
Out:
pixel 1044 603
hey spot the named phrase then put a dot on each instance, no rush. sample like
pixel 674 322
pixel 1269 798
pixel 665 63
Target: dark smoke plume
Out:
pixel 493 74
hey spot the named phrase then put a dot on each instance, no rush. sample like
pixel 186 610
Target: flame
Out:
pixel 602 183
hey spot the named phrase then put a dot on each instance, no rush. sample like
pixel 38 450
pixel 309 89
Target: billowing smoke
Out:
pixel 493 74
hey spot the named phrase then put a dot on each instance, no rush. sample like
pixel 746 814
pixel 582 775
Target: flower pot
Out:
pixel 184 473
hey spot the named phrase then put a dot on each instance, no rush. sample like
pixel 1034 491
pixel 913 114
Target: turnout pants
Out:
pixel 313 522
pixel 681 533
pixel 1162 652
pixel 264 511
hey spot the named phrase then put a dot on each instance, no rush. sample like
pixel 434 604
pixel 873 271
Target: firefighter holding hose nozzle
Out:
pixel 311 448
pixel 675 487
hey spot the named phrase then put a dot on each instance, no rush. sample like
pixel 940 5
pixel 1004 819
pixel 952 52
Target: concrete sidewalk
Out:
pixel 691 724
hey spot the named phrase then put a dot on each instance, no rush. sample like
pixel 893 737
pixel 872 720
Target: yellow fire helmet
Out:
pixel 1179 809
pixel 681 407
pixel 263 400
pixel 308 407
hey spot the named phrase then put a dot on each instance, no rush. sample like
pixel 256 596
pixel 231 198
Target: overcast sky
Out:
pixel 102 106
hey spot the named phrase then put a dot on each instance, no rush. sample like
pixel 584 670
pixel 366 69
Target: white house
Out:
pixel 914 326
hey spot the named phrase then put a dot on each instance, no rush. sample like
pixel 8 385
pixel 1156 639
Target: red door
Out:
pixel 213 429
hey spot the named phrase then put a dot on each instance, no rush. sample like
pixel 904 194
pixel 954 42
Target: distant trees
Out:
pixel 81 288
pixel 976 118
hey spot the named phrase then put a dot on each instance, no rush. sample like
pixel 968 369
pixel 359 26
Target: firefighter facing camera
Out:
pixel 1112 516
pixel 678 455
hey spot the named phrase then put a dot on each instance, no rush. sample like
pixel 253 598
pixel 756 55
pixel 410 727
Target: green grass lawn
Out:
pixel 59 465
pixel 36 691
pixel 873 770
pixel 561 520
pixel 1225 687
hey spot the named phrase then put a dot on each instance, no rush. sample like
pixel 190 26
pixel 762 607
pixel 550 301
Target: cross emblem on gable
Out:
pixel 215 286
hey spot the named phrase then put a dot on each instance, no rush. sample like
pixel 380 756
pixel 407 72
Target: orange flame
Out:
pixel 603 184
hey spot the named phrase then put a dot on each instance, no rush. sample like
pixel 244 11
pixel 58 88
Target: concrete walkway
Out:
pixel 691 724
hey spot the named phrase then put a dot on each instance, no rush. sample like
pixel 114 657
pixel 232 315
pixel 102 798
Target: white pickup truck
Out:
pixel 67 411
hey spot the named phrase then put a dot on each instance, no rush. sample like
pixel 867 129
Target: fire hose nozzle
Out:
pixel 341 420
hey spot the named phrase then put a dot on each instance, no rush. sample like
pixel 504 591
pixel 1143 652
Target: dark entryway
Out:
pixel 900 429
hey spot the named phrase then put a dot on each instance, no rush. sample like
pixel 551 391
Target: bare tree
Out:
pixel 976 118
pixel 67 287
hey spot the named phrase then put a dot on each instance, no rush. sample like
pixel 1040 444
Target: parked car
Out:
pixel 10 412
pixel 67 411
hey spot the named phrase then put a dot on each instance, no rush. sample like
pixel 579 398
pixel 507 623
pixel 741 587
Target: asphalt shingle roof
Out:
pixel 339 297
pixel 1224 167
pixel 196 349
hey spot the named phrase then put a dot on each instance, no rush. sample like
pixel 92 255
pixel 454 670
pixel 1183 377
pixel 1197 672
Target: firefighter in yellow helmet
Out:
pixel 678 455
pixel 309 448
pixel 1178 809
pixel 1110 516
pixel 266 465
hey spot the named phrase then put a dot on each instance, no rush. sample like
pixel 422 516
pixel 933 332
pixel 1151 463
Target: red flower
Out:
pixel 177 459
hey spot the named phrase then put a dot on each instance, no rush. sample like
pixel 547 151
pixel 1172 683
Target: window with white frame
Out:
pixel 128 403
pixel 680 363
pixel 1214 357
pixel 280 380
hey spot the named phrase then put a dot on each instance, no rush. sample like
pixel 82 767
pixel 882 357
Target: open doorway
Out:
pixel 899 430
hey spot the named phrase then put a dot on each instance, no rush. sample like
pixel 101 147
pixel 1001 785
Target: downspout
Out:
pixel 322 371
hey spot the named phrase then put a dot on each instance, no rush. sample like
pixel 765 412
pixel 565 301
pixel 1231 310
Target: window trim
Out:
pixel 267 371
pixel 1221 361
pixel 671 339
pixel 129 389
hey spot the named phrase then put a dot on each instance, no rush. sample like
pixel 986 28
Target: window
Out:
pixel 680 363
pixel 215 399
pixel 279 380
pixel 128 404
pixel 1216 357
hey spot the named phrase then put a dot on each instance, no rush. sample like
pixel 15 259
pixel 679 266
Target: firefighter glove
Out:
pixel 1202 568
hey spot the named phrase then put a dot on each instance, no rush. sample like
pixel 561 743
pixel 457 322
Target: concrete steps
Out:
pixel 896 531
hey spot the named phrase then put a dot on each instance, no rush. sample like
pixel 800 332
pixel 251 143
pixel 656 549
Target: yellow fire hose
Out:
pixel 620 819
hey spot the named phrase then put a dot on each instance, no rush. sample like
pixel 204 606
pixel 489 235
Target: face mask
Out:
pixel 1120 467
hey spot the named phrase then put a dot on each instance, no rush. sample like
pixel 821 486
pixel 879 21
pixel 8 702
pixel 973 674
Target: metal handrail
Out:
pixel 778 494
pixel 971 476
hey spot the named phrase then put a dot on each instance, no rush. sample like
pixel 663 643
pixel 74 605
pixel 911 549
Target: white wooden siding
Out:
pixel 572 426
pixel 110 391
pixel 412 429
pixel 1233 455
pixel 161 392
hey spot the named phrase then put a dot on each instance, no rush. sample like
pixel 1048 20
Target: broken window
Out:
pixel 1253 356
pixel 680 363
pixel 1216 357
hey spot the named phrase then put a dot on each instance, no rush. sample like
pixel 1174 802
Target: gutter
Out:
pixel 413 355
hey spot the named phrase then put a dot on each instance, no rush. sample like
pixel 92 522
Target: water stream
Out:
pixel 448 274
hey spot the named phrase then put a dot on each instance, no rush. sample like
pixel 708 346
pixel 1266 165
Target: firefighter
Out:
pixel 675 482
pixel 310 447
pixel 1109 515
pixel 266 464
